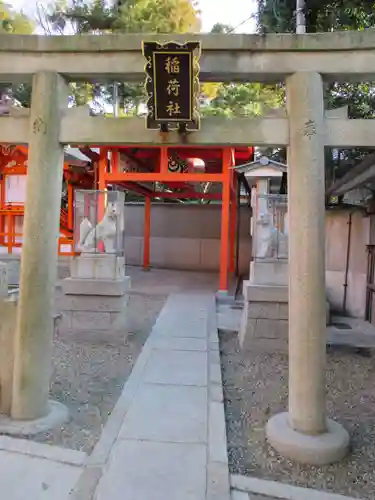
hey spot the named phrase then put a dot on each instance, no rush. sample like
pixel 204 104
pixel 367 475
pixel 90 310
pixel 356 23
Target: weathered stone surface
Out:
pixel 3 280
pixel 8 315
pixel 97 266
pixel 143 470
pixel 263 310
pixel 307 304
pixel 283 311
pixel 218 487
pixel 237 59
pixel 26 476
pixel 117 288
pixel 35 324
pixel 217 437
pixel 95 303
pixel 90 320
pixel 264 293
pixel 13 272
pixel 167 413
pixel 184 367
pixel 272 329
pixel 269 272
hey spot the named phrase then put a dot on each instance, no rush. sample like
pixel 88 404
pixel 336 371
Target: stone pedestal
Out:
pixel 269 272
pixel 96 295
pixel 97 267
pixel 264 322
pixel 3 280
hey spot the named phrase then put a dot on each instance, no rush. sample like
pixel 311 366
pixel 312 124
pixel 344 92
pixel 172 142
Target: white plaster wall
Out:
pixel 15 188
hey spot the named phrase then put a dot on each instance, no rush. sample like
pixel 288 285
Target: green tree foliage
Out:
pixel 12 22
pixel 278 16
pixel 244 100
pixel 127 16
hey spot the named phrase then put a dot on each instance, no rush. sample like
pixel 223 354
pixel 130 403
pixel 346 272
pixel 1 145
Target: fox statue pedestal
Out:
pixel 96 294
pixel 269 272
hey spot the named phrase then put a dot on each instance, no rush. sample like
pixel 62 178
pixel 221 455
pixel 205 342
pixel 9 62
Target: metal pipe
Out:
pixel 347 262
pixel 115 100
pixel 300 17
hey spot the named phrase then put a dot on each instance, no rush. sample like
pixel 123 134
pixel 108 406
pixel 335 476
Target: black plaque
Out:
pixel 172 84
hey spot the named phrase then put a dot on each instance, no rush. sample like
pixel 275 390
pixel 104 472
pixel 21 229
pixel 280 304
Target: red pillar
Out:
pixel 147 234
pixel 232 223
pixel 163 165
pixel 70 205
pixel 225 207
pixel 10 232
pixel 2 206
pixel 115 160
pixel 102 167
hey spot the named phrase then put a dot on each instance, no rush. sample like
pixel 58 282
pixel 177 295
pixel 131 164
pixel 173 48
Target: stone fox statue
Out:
pixel 272 242
pixel 105 231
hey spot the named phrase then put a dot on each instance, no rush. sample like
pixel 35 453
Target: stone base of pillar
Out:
pixel 264 320
pixel 58 414
pixel 96 295
pixel 322 449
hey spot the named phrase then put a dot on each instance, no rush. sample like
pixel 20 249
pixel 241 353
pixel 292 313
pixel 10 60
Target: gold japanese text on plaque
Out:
pixel 172 84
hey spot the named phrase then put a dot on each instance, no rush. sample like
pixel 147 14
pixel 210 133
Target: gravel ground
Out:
pixel 256 388
pixel 89 373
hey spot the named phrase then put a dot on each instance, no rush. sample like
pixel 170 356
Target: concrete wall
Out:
pixel 336 256
pixel 183 236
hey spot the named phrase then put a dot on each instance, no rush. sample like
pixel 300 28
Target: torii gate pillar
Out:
pixel 304 433
pixel 35 321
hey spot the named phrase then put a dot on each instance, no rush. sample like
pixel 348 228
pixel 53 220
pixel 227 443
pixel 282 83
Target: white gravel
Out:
pixel 89 373
pixel 255 388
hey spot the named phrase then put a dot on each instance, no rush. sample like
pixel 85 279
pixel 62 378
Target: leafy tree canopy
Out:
pixel 324 16
pixel 13 22
pixel 127 16
pixel 278 16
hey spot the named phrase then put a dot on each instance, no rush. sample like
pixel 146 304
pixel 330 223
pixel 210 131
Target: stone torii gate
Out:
pixel 303 62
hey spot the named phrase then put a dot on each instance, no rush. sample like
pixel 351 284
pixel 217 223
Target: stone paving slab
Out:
pixel 171 443
pixel 180 344
pixel 145 470
pixel 168 413
pixel 34 478
pixel 252 488
pixel 181 368
pixel 241 495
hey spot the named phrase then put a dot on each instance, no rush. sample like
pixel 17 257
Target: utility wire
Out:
pixel 241 24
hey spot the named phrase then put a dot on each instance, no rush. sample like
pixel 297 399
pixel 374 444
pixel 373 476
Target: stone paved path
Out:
pixel 36 471
pixel 171 442
pixel 241 495
pixel 252 488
